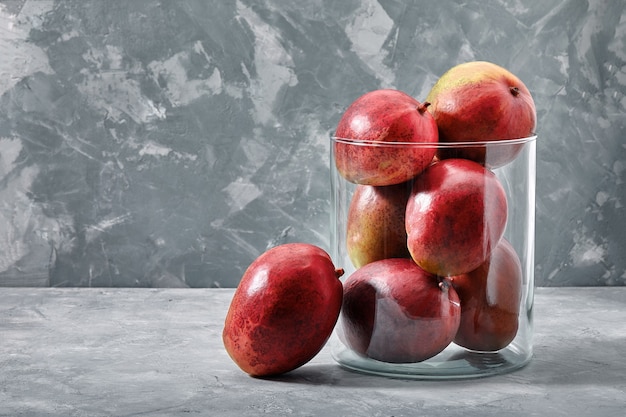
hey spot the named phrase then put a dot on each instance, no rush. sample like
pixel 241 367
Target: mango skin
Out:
pixel 394 311
pixel 490 301
pixel 284 309
pixel 482 101
pixel 375 223
pixel 455 216
pixel 369 130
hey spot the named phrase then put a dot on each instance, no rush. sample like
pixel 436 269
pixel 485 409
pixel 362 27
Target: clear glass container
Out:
pixel 467 220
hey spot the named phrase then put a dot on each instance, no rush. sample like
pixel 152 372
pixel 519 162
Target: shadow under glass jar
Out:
pixel 465 222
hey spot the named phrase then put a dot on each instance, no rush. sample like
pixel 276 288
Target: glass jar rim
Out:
pixel 464 144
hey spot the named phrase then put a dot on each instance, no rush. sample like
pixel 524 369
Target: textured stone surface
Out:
pixel 158 352
pixel 167 143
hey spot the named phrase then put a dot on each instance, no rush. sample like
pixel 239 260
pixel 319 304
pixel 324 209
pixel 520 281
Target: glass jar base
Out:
pixel 454 362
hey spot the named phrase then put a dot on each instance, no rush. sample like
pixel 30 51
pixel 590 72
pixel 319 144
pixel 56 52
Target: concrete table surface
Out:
pixel 158 352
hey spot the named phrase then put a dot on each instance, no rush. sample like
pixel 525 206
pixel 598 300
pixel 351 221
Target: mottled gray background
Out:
pixel 169 143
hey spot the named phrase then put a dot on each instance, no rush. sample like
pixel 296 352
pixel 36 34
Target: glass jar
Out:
pixel 464 226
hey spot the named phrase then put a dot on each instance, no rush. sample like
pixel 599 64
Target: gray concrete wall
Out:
pixel 169 143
